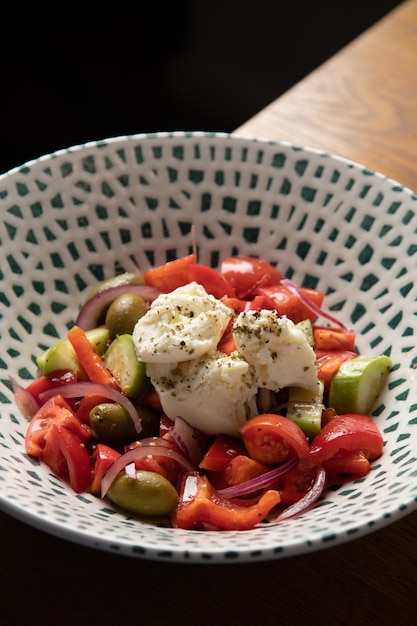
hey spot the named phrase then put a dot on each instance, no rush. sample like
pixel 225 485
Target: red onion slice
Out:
pixel 150 441
pixel 89 315
pixel 260 482
pixel 187 440
pixel 313 307
pixel 138 453
pixel 81 389
pixel 26 403
pixel 264 400
pixel 307 501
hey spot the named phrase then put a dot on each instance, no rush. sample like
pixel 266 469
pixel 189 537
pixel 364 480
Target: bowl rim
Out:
pixel 78 537
pixel 184 134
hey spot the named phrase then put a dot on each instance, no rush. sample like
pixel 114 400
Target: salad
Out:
pixel 214 399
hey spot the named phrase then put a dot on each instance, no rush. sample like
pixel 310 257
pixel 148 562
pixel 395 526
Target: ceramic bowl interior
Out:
pixel 81 215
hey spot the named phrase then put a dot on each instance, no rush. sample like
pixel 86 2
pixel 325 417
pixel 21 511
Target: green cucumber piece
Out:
pixel 358 383
pixel 307 327
pixel 305 407
pixel 61 356
pixel 123 363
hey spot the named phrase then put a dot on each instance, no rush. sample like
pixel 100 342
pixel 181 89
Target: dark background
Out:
pixel 77 75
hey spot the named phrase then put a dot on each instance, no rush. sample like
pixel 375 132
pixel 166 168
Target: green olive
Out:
pixel 150 421
pixel 123 313
pixel 148 494
pixel 127 278
pixel 112 424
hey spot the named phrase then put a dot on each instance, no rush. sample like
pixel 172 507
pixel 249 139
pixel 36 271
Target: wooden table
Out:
pixel 362 105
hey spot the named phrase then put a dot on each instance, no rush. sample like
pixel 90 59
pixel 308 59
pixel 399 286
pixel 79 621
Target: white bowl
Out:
pixel 80 215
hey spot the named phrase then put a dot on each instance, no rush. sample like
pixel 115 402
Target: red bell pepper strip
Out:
pixel 328 363
pixel 171 275
pixel 92 363
pixel 328 338
pixel 200 504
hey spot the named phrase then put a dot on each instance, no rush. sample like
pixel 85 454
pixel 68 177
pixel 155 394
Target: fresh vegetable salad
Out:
pixel 215 399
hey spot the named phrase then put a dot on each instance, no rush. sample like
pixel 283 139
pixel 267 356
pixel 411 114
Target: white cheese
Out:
pixel 277 349
pixel 215 393
pixel 181 325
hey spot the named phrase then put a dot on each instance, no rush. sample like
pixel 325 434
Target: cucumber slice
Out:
pixel 305 407
pixel 61 355
pixel 307 328
pixel 129 371
pixel 358 383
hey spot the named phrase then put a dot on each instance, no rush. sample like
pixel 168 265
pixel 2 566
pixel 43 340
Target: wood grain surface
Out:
pixel 361 104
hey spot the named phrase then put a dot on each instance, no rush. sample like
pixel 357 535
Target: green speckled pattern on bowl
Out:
pixel 81 215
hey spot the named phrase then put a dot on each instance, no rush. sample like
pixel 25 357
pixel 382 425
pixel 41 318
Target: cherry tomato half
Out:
pixel 271 439
pixel 283 300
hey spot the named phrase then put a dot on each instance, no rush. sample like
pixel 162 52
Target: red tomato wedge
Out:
pixel 241 469
pixel 212 281
pixel 271 438
pixel 171 275
pixel 245 274
pixel 104 456
pixel 227 343
pixel 57 438
pixel 295 483
pixel 50 381
pixel 349 432
pixel 347 464
pixel 287 303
